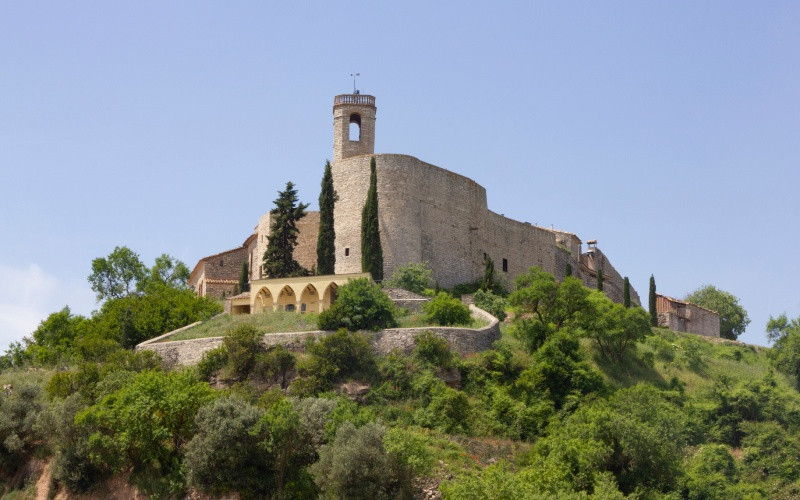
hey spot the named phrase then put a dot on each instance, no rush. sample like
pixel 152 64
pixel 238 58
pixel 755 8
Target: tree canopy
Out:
pixel 117 275
pixel 732 317
pixel 326 250
pixel 279 258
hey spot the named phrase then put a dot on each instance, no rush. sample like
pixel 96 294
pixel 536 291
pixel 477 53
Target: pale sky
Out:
pixel 669 132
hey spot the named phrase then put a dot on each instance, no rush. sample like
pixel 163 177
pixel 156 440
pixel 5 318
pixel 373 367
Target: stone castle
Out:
pixel 426 213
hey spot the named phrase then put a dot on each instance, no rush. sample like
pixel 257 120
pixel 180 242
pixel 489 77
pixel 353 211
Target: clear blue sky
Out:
pixel 669 131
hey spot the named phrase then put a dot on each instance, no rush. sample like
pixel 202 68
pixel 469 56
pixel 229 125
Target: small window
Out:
pixel 505 265
pixel 221 262
pixel 346 252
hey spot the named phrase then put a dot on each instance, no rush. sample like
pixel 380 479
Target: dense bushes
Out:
pixel 414 277
pixel 445 310
pixel 336 357
pixel 491 303
pixel 361 305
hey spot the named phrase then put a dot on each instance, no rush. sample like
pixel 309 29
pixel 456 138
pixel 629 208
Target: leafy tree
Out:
pixel 732 317
pixel 446 310
pixel 54 337
pixel 244 279
pixel 18 431
pixel 133 319
pixel 614 328
pixel 336 357
pixel 360 305
pixel 652 302
pixel 168 271
pixel 224 455
pixel 599 280
pixel 414 277
pixel 356 465
pixel 542 306
pixel 279 258
pixel 785 352
pixel 242 344
pixel 488 283
pixel 371 250
pixel 145 424
pixel 326 251
pixel 626 292
pixel 277 362
pixel 117 275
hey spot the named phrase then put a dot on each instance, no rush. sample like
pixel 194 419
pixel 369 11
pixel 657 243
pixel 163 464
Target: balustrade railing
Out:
pixel 354 99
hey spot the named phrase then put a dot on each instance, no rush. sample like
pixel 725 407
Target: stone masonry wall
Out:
pixel 305 253
pixel 427 213
pixel 461 340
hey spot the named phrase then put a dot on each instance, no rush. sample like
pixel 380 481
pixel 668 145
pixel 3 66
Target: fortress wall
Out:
pixel 426 213
pixel 613 284
pixel 522 244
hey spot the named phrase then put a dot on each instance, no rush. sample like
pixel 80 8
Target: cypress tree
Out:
pixel 600 280
pixel 488 275
pixel 279 258
pixel 568 270
pixel 626 293
pixel 652 304
pixel 326 253
pixel 244 279
pixel 371 251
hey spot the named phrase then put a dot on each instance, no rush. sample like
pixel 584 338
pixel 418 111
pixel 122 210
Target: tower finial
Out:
pixel 354 75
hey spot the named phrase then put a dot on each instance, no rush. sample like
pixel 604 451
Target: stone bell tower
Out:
pixel 353 125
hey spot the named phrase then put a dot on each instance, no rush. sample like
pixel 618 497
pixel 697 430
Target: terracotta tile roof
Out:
pixel 243 295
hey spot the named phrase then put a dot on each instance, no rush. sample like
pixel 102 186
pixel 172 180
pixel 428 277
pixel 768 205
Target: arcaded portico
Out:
pixel 302 294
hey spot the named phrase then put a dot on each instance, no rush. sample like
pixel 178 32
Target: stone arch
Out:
pixel 354 133
pixel 309 300
pixel 263 301
pixel 329 296
pixel 287 299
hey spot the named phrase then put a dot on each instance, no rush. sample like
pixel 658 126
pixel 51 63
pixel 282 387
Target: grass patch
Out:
pixel 270 322
pixel 288 322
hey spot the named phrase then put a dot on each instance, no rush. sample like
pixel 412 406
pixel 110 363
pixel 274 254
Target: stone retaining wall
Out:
pixel 461 340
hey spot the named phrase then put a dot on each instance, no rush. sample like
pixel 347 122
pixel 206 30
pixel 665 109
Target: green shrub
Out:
pixel 18 431
pixel 242 344
pixel 212 361
pixel 414 277
pixel 432 349
pixel 224 455
pixel 276 364
pixel 445 310
pixel 448 411
pixel 356 465
pixel 336 357
pixel 361 305
pixel 491 303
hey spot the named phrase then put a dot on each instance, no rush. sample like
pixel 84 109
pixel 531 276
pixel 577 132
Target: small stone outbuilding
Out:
pixel 682 316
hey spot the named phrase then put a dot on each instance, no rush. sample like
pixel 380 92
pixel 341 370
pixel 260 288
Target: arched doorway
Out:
pixel 309 300
pixel 263 302
pixel 286 299
pixel 329 297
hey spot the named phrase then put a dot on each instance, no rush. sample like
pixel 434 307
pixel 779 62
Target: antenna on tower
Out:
pixel 354 75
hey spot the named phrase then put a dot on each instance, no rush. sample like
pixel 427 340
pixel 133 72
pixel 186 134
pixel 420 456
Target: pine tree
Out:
pixel 326 253
pixel 652 304
pixel 600 280
pixel 279 258
pixel 244 279
pixel 371 251
pixel 626 293
pixel 488 275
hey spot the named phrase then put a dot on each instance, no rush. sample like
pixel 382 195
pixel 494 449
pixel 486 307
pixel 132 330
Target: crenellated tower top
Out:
pixel 353 125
